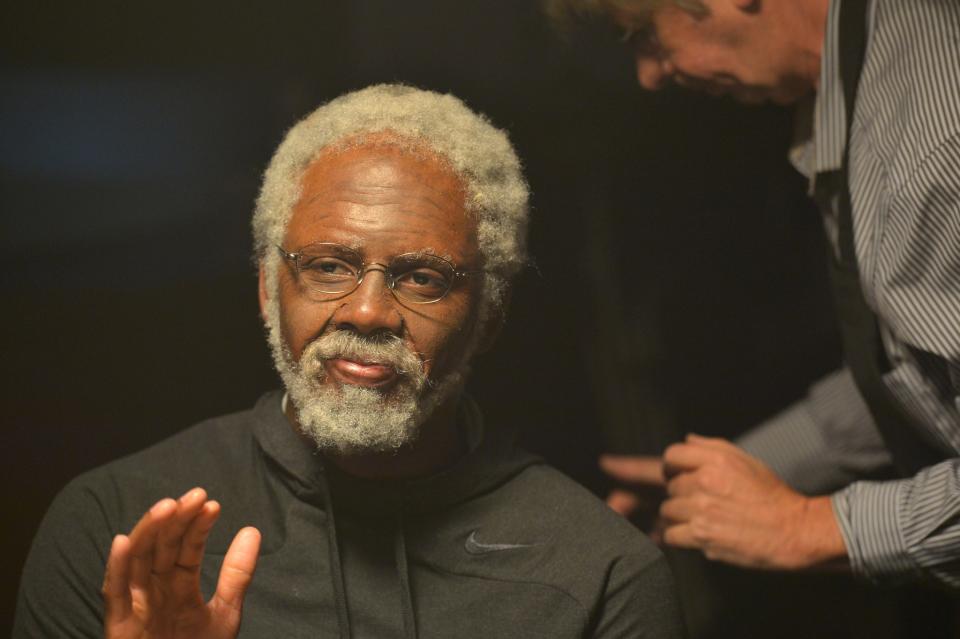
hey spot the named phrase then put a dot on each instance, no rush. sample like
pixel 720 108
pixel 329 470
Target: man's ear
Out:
pixel 493 324
pixel 262 292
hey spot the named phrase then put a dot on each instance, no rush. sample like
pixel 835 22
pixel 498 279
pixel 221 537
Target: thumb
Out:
pixel 634 469
pixel 236 573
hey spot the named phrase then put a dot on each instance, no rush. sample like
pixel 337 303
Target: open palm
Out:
pixel 152 584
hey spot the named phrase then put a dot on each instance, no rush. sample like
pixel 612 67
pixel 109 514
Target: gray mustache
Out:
pixel 383 349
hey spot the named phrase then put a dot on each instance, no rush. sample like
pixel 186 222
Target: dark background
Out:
pixel 679 282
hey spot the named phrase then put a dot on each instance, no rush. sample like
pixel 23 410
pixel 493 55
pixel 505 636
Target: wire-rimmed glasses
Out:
pixel 330 271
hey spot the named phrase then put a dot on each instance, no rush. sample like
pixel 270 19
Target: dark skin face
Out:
pixel 385 203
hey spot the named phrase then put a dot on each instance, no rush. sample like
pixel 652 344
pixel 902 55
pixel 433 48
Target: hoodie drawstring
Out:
pixel 339 590
pixel 406 601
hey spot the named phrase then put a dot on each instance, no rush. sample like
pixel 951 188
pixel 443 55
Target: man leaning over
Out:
pixel 877 83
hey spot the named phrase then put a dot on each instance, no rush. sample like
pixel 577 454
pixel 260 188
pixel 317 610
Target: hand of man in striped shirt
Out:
pixel 731 506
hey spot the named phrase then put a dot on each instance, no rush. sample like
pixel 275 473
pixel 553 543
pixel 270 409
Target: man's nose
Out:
pixel 371 307
pixel 653 71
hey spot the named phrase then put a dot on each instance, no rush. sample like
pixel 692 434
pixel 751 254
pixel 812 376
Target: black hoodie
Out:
pixel 499 545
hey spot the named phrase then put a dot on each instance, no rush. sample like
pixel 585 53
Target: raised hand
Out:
pixel 151 589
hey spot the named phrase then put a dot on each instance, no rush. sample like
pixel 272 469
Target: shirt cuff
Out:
pixel 868 516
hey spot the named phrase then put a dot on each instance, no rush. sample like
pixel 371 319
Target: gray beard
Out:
pixel 350 419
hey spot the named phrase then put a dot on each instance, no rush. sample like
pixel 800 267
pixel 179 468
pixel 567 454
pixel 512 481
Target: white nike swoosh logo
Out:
pixel 475 547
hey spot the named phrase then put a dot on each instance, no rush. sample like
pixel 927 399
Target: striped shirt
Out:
pixel 905 191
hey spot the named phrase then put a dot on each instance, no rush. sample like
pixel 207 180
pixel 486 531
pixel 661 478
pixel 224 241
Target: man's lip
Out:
pixel 369 374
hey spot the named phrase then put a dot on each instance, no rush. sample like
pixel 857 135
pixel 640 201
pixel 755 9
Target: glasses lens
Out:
pixel 329 268
pixel 421 279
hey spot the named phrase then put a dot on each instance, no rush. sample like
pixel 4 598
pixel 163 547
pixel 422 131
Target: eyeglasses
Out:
pixel 330 271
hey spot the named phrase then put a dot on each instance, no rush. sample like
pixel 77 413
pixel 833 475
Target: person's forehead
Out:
pixel 378 171
pixel 387 190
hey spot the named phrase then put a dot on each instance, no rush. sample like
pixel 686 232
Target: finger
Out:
pixel 195 538
pixel 680 458
pixel 680 536
pixel 116 582
pixel 170 536
pixel 143 540
pixel 184 576
pixel 729 451
pixel 679 509
pixel 716 443
pixel 144 532
pixel 683 485
pixel 623 502
pixel 634 469
pixel 237 573
pixel 656 531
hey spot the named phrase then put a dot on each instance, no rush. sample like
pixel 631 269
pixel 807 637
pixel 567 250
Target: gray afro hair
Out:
pixel 480 154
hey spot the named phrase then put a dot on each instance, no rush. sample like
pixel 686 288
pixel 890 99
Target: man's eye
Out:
pixel 327 267
pixel 423 280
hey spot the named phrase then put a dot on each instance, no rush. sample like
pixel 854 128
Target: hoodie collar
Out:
pixel 492 459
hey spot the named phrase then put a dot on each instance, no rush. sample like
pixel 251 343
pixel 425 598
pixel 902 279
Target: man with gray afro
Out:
pixel 371 497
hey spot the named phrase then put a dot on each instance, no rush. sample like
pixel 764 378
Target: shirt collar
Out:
pixel 819 147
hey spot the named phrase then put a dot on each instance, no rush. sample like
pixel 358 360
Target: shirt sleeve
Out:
pixel 60 588
pixel 640 601
pixel 895 531
pixel 823 442
pixel 902 530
